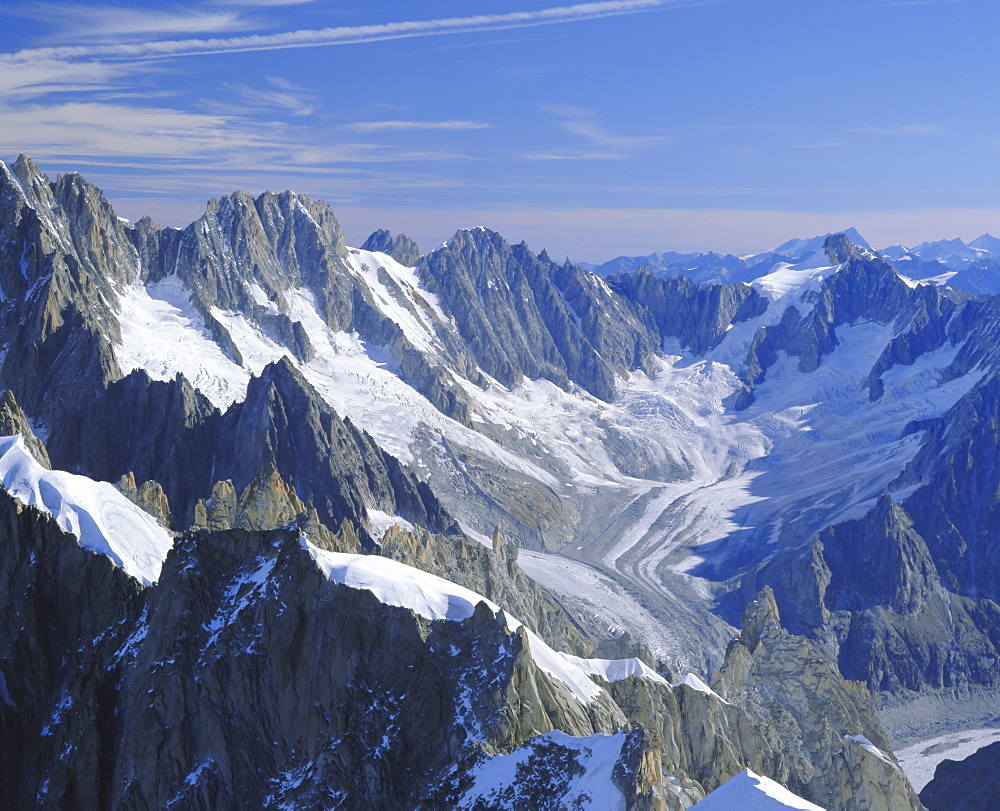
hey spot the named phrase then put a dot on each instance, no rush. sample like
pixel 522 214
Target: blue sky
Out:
pixel 591 129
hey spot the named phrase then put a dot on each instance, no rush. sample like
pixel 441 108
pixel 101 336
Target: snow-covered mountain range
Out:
pixel 333 430
pixel 973 267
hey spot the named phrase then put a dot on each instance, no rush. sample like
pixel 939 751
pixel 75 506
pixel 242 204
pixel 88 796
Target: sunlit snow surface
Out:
pixel 753 792
pixel 722 488
pixel 100 517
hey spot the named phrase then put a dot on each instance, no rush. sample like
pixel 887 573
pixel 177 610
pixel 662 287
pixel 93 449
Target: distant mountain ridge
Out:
pixel 972 266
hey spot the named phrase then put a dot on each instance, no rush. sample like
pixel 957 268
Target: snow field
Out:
pixel 96 513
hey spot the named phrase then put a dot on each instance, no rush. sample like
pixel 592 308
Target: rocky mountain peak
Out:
pixel 760 618
pixel 13 421
pixel 401 248
pixel 267 502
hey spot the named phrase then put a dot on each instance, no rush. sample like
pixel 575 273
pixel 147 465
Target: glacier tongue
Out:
pixel 100 517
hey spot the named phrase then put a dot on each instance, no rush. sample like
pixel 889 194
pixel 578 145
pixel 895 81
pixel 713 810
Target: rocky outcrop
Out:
pixel 13 421
pixel 149 497
pixel 494 574
pixel 334 467
pixel 62 251
pixel 522 315
pixel 836 753
pixel 400 247
pixel 698 316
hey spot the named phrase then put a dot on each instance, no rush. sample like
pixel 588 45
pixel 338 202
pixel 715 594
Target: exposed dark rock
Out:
pixel 698 316
pixel 972 784
pixel 871 590
pixel 523 315
pixel 63 613
pixel 400 247
pixel 13 421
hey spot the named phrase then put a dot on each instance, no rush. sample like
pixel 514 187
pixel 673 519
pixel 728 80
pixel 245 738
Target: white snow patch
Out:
pixel 868 746
pixel 164 334
pixel 96 513
pixel 381 521
pixel 496 778
pixel 753 792
pixel 785 279
pixel 397 584
pixel 616 669
pixel 695 683
pixel 413 309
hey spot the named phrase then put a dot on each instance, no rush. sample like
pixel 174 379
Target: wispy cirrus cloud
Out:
pixel 598 142
pixel 263 3
pixel 342 35
pixel 891 3
pixel 901 129
pixel 402 126
pixel 280 95
pixel 99 22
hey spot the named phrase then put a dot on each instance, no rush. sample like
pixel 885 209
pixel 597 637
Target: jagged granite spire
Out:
pixel 401 248
pixel 13 421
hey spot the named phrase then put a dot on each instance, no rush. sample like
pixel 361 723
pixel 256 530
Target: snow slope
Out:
pixel 101 518
pixel 499 781
pixel 752 792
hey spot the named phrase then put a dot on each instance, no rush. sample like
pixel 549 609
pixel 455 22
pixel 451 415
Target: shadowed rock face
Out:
pixel 246 677
pixel 873 591
pixel 170 433
pixel 522 315
pixel 972 784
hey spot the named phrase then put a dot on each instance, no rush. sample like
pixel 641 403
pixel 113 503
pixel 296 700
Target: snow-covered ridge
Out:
pixel 752 792
pixel 435 598
pixel 695 683
pixel 868 746
pixel 615 669
pixel 100 517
